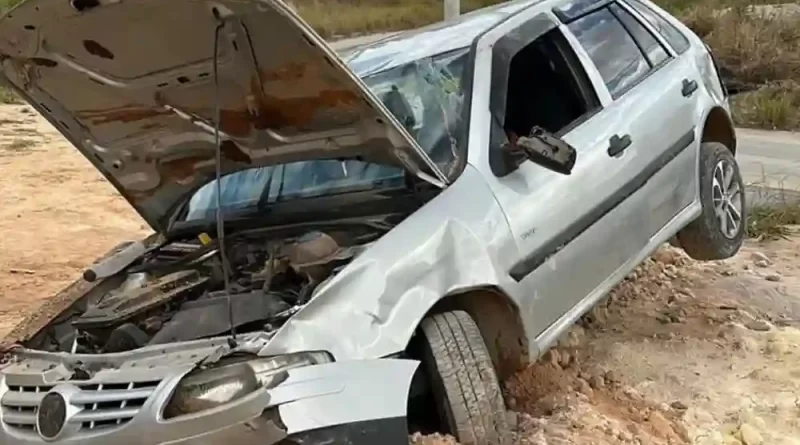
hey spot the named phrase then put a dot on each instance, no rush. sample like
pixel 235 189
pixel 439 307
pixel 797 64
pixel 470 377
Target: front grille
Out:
pixel 101 405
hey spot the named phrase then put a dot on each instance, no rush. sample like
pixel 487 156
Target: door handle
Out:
pixel 617 144
pixel 689 87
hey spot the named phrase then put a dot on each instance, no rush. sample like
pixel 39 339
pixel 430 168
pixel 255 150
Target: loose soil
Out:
pixel 680 353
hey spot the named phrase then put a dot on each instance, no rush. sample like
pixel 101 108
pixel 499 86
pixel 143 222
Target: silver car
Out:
pixel 349 246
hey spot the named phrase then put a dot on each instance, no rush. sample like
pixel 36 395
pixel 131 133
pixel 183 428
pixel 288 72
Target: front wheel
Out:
pixel 464 381
pixel 719 231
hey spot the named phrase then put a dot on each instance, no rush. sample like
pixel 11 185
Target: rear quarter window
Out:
pixel 613 50
pixel 676 39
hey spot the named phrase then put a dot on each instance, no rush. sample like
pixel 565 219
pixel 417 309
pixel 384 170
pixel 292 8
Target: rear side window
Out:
pixel 676 39
pixel 612 49
pixel 649 45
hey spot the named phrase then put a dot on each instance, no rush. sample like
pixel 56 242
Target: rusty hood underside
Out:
pixel 131 84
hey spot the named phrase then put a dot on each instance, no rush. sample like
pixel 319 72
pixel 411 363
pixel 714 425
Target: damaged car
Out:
pixel 350 246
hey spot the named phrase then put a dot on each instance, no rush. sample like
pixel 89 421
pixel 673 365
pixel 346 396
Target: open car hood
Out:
pixel 131 84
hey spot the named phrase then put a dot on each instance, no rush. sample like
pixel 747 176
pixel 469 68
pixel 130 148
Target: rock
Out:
pixel 679 406
pixel 730 440
pixel 513 420
pixel 597 382
pixel 747 344
pixel 583 387
pixel 575 338
pixel 773 277
pixel 537 438
pixel 777 346
pixel 750 418
pixel 632 393
pixel 749 435
pixel 675 318
pixel 25 110
pixel 761 263
pixel 433 439
pixel 758 325
pixel 548 405
pixel 611 377
pixel 565 359
pixel 758 256
pixel 661 425
pixel 553 357
pixel 667 256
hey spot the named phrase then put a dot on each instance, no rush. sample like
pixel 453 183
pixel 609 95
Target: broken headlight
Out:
pixel 233 379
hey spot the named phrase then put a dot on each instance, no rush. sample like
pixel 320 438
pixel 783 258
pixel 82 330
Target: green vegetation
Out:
pixel 775 106
pixel 8 97
pixel 770 222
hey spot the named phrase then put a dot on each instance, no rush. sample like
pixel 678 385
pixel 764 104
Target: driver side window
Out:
pixel 547 87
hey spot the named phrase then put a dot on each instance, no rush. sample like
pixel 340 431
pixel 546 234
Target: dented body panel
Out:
pixel 542 245
pixel 309 400
pixel 448 248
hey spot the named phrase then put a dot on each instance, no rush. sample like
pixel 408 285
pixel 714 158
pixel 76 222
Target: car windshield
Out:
pixel 426 96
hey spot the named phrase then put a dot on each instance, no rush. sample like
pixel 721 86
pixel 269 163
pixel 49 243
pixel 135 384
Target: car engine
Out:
pixel 176 293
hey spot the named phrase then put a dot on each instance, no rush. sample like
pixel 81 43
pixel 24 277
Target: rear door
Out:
pixel 679 84
pixel 653 92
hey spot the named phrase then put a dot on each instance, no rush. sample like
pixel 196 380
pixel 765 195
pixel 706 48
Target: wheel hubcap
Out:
pixel 727 196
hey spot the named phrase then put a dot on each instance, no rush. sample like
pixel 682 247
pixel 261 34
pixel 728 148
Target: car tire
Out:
pixel 463 380
pixel 712 236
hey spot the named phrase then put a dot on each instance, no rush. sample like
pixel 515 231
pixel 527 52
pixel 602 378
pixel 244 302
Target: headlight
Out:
pixel 234 378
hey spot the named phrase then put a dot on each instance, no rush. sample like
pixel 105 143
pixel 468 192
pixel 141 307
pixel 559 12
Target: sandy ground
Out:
pixel 57 213
pixel 680 353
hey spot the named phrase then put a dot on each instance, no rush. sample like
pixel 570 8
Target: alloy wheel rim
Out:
pixel 728 198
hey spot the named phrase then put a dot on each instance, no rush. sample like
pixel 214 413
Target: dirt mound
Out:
pixel 680 352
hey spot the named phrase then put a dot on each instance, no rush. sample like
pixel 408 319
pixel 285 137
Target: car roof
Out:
pixel 438 38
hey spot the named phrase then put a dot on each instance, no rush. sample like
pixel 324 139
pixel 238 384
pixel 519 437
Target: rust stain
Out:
pixel 153 126
pixel 274 113
pixel 181 169
pixel 125 114
pixel 231 150
pixel 290 72
pixel 184 169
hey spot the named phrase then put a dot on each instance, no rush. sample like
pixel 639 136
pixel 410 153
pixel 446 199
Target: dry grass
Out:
pixel 348 17
pixel 758 49
pixel 770 222
pixel 7 96
pixel 773 107
pixel 761 51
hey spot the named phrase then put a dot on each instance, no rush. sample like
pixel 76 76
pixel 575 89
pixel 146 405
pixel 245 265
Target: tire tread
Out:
pixel 470 385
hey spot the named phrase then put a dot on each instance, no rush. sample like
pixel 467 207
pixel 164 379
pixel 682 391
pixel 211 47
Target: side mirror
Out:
pixel 542 148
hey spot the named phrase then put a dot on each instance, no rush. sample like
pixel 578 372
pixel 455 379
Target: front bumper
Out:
pixel 360 401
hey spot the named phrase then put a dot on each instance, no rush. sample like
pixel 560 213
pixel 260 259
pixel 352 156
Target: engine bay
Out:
pixel 176 292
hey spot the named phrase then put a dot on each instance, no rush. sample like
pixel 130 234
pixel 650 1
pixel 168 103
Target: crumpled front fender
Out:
pixel 458 241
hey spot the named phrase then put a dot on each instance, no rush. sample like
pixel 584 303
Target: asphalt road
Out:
pixel 769 160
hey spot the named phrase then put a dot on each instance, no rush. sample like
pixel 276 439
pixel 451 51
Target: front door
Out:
pixel 568 228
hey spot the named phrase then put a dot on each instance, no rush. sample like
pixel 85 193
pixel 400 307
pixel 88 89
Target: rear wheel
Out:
pixel 719 231
pixel 463 380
